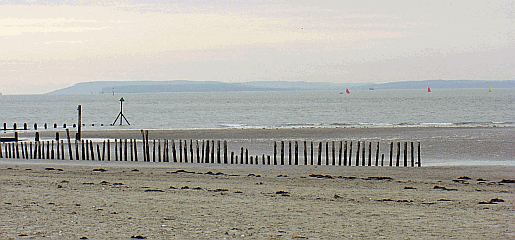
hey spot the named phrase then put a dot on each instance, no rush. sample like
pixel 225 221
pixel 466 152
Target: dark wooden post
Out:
pixel 212 151
pixel 418 152
pixel 282 152
pixel 69 144
pixel 180 151
pixel 174 151
pixel 92 149
pixel 345 154
pixel 363 158
pixel 305 153
pixel 340 153
pixel 192 156
pixel 218 157
pixel 99 157
pixel 275 153
pixel 251 160
pixel 116 149
pixel 57 144
pixel 206 158
pixel 198 151
pixel 135 150
pixel 103 150
pixel 225 151
pixel 154 150
pixel 357 153
pixel 268 159
pixel 147 148
pixel 131 149
pixel 369 154
pixel 350 154
pixel 290 160
pixel 377 154
pixel 18 150
pixel 327 153
pixel 25 127
pixel 159 150
pixel 241 154
pixel 52 151
pixel 382 159
pixel 232 157
pixel 62 150
pixel 319 153
pixel 296 153
pixel 143 139
pixel 108 150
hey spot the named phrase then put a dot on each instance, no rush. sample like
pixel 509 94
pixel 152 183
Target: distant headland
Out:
pixel 99 87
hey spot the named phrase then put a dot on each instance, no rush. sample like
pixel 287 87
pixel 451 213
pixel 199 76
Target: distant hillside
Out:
pixel 214 86
pixel 442 84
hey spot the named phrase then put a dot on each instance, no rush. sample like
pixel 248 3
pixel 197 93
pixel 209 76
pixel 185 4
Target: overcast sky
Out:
pixel 46 45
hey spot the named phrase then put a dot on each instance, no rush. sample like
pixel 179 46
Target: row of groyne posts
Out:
pixel 337 153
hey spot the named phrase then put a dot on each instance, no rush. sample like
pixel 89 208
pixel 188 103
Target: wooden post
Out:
pixel 52 151
pixel 340 153
pixel 275 153
pixel 192 158
pixel 345 154
pixel 296 153
pixel 87 150
pixel 46 126
pixel 154 150
pixel 319 153
pixel 327 153
pixel 391 154
pixel 79 123
pixel 62 150
pixel 363 158
pixel 369 154
pixel 268 159
pixel 418 152
pixel 305 153
pixel 40 154
pixel 143 140
pixel 180 151
pixel 357 153
pixel 236 159
pixel 148 145
pixel 84 148
pixel 206 158
pixel 412 157
pixel 282 152
pixel 108 150
pixel 312 154
pixel 218 157
pixel 377 154
pixel 174 151
pixel 99 157
pixel 1 154
pixel 225 151
pixel 382 159
pixel 17 150
pixel 232 157
pixel 241 158
pixel 103 151
pixel 22 152
pixel 350 154
pixel 203 155
pixel 116 149
pixel 69 144
pixel 92 149
pixel 251 160
pixel 333 152
pixel 135 149
pixel 131 149
pixel 198 151
pixel 57 144
pixel 159 150
pixel 290 160
pixel 36 137
pixel 212 151
pixel 125 150
pixel 25 127
pixel 246 156
pixel 26 150
pixel 398 154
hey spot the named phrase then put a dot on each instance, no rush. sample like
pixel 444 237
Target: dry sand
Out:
pixel 70 200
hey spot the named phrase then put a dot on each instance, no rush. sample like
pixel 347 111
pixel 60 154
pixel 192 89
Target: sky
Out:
pixel 48 45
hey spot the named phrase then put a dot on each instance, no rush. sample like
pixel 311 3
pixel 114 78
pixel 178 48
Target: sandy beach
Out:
pixel 105 200
pixel 63 199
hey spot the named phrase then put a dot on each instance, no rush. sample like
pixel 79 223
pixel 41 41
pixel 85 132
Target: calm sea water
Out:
pixel 418 108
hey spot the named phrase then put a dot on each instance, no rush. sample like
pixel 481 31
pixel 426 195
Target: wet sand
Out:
pixel 440 145
pixel 103 200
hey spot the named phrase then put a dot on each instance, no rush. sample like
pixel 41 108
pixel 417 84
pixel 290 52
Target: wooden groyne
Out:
pixel 16 127
pixel 291 152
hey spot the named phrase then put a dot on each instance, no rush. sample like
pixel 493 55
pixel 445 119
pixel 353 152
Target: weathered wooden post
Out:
pixel 91 148
pixel 147 148
pixel 17 150
pixel 225 151
pixel 212 151
pixel 251 160
pixel 275 153
pixel 340 153
pixel 382 159
pixel 79 123
pixel 345 154
pixel 131 149
pixel 87 150
pixel 69 143
pixel 327 153
pixel 305 153
pixel 52 152
pixel 25 127
pixel 363 158
pixel 268 159
pixel 36 137
pixel 135 150
pixel 62 150
pixel 159 150
pixel 246 156
pixel 116 149
pixel 218 157
pixel 180 151
pixel 143 139
pixel 35 126
pixel 154 150
pixel 232 157
pixel 198 152
pixel 103 150
pixel 418 152
pixel 377 154
pixel 290 160
pixel 99 157
pixel 108 150
pixel 319 153
pixel 192 156
pixel 241 154
pixel 350 154
pixel 296 153
pixel 174 151
pixel 369 154
pixel 282 152
pixel 206 157
pixel 357 153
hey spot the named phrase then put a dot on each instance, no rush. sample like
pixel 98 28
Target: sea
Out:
pixel 490 115
pixel 218 110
